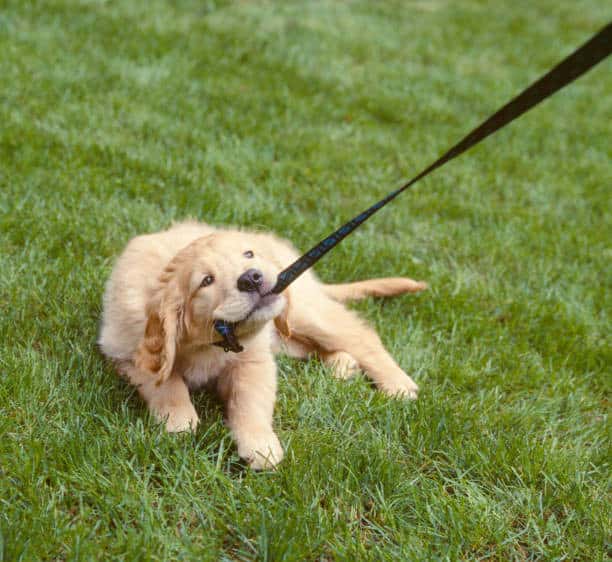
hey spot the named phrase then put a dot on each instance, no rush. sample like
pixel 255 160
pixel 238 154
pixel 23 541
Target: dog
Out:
pixel 167 289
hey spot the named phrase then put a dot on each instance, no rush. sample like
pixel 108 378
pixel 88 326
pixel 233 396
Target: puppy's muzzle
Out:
pixel 250 281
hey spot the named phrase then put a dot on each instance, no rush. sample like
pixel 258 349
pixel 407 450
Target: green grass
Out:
pixel 119 117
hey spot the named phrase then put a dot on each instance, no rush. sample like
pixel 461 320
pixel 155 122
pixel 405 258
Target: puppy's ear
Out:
pixel 282 320
pixel 157 350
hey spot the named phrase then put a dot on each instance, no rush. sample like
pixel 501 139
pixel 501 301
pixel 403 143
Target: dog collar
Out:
pixel 230 341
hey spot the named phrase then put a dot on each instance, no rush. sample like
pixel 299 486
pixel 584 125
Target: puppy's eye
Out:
pixel 249 254
pixel 208 280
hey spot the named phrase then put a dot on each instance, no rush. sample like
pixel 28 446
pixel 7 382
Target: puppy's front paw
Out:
pixel 178 418
pixel 261 450
pixel 400 386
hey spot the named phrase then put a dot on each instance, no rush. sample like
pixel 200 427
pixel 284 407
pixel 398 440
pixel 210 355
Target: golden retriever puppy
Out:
pixel 168 288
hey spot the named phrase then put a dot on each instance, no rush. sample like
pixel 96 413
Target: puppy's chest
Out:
pixel 200 368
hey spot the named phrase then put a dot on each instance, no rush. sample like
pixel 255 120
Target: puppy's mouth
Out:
pixel 254 309
pixel 263 301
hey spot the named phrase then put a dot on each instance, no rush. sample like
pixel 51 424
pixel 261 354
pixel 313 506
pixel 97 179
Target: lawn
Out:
pixel 118 118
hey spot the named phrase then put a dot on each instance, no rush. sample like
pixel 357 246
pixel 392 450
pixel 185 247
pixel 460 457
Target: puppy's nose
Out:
pixel 250 280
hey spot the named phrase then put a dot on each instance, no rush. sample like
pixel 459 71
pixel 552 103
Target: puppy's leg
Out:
pixel 169 401
pixel 291 348
pixel 343 365
pixel 249 391
pixel 333 328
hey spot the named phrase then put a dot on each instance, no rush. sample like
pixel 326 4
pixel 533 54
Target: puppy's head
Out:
pixel 218 277
pixel 228 280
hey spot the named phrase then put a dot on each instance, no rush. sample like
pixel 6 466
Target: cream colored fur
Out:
pixel 157 327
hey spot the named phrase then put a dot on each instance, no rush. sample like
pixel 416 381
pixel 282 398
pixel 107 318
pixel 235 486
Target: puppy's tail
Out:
pixel 386 287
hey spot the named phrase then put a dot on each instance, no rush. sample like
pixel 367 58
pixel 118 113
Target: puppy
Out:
pixel 168 288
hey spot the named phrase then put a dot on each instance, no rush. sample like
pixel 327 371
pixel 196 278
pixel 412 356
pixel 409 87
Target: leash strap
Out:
pixel 575 65
pixel 581 60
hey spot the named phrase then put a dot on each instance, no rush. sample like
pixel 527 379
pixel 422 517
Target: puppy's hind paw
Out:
pixel 343 365
pixel 400 387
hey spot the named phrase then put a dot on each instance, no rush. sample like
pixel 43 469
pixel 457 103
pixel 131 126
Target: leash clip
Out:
pixel 230 341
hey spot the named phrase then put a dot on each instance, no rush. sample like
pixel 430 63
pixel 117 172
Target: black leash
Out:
pixel 575 65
